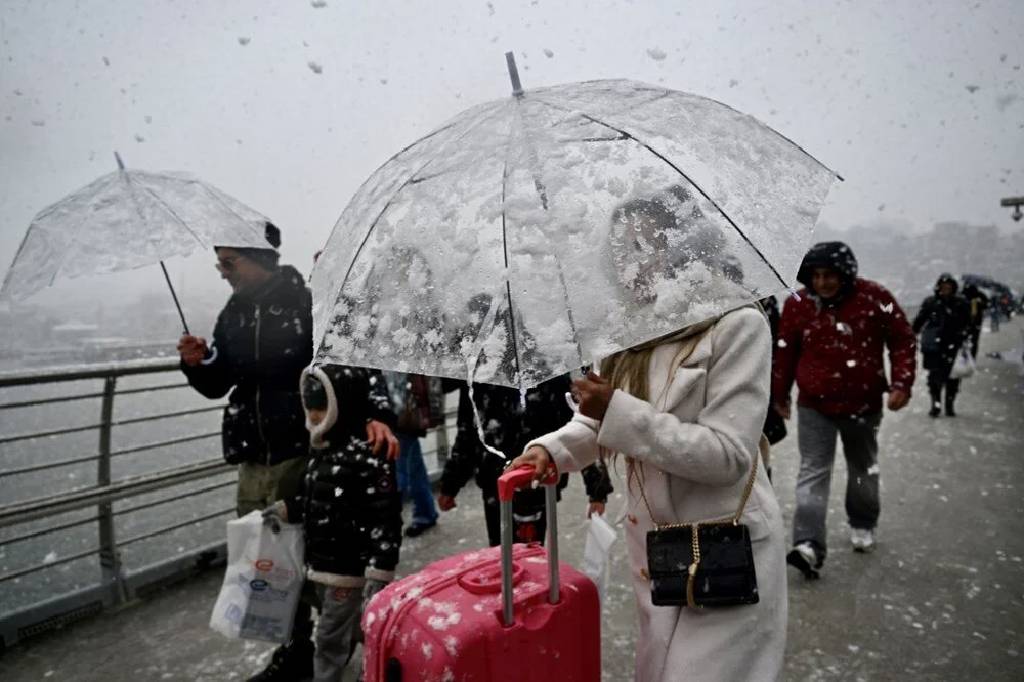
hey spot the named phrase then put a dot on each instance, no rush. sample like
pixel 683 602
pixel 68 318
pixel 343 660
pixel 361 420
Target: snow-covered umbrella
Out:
pixel 531 235
pixel 125 220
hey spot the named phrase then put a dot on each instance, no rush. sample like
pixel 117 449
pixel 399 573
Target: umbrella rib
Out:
pixel 542 194
pixel 685 177
pixel 163 205
pixel 391 199
pixel 776 132
pixel 504 243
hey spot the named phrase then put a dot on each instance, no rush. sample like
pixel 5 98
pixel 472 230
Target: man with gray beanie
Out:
pixel 262 340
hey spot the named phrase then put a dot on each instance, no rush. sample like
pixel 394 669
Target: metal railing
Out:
pixel 116 585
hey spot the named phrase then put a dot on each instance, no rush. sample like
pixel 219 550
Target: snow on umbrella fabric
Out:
pixel 535 234
pixel 125 220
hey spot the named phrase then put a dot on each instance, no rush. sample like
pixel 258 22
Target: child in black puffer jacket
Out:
pixel 348 503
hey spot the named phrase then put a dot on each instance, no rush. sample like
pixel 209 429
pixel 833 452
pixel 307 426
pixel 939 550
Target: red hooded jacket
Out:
pixel 834 350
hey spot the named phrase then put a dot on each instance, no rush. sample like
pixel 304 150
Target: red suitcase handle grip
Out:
pixel 520 477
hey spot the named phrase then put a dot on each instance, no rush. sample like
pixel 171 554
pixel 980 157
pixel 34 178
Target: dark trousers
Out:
pixel 816 436
pixel 975 336
pixel 938 379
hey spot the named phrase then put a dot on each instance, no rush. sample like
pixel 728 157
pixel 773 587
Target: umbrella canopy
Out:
pixel 125 220
pixel 535 234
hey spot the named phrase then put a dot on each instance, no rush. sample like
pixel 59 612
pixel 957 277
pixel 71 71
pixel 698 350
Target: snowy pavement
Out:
pixel 941 598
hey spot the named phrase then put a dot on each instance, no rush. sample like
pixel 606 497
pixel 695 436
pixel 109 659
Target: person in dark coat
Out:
pixel 508 428
pixel 978 303
pixel 348 504
pixel 943 322
pixel 419 404
pixel 774 425
pixel 832 342
pixel 262 340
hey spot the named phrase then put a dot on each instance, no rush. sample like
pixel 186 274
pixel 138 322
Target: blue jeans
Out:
pixel 413 481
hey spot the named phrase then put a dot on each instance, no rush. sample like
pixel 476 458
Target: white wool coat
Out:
pixel 696 445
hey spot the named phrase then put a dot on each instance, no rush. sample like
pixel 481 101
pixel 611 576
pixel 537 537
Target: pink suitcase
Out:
pixel 491 615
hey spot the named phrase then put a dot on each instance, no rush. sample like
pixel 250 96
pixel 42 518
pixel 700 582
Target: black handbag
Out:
pixel 705 563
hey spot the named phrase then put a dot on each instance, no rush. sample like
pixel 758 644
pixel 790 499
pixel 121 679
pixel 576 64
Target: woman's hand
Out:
pixel 378 435
pixel 595 508
pixel 593 395
pixel 538 458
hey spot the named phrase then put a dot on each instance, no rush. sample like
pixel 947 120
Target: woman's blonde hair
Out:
pixel 629 370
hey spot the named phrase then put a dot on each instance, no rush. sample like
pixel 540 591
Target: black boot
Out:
pixel 292 662
pixel 952 388
pixel 936 403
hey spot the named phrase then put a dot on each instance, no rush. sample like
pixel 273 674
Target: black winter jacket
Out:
pixel 508 429
pixel 943 324
pixel 261 343
pixel 348 501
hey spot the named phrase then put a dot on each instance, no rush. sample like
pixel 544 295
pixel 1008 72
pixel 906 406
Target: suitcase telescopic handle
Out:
pixel 509 482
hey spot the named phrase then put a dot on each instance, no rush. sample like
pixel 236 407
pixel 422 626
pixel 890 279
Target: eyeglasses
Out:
pixel 226 265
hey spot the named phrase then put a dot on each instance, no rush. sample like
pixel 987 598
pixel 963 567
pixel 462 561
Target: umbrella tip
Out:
pixel 120 163
pixel 513 74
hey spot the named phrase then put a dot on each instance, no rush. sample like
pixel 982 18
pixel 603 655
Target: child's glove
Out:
pixel 275 515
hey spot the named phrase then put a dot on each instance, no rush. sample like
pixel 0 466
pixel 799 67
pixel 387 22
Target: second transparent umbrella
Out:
pixel 125 220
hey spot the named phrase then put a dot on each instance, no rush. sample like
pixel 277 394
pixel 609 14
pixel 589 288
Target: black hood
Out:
pixel 946 278
pixel 835 255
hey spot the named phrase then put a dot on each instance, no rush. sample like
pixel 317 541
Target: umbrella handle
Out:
pixel 175 297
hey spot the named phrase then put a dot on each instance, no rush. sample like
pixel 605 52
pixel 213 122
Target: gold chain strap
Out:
pixel 734 519
pixel 691 578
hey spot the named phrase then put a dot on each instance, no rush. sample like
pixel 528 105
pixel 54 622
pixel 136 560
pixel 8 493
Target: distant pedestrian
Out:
pixel 832 342
pixel 978 303
pixel 943 322
pixel 419 406
pixel 262 340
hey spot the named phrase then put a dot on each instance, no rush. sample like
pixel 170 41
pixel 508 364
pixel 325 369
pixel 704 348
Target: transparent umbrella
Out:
pixel 126 220
pixel 535 234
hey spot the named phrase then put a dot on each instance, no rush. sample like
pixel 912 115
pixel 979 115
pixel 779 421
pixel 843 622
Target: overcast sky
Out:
pixel 290 105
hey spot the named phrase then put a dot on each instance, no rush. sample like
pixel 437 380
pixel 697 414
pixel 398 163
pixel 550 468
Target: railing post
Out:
pixel 111 572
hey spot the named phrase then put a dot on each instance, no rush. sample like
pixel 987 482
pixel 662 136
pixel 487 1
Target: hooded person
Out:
pixel 978 302
pixel 832 341
pixel 262 340
pixel 943 321
pixel 348 504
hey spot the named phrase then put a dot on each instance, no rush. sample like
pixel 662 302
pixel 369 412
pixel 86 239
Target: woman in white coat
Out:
pixel 685 412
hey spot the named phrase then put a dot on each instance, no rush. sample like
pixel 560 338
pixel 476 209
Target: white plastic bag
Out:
pixel 262 582
pixel 600 538
pixel 963 366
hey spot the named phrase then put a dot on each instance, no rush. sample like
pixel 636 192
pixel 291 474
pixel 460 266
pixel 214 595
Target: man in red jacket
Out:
pixel 831 343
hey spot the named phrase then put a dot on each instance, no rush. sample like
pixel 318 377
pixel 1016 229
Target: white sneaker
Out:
pixel 862 539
